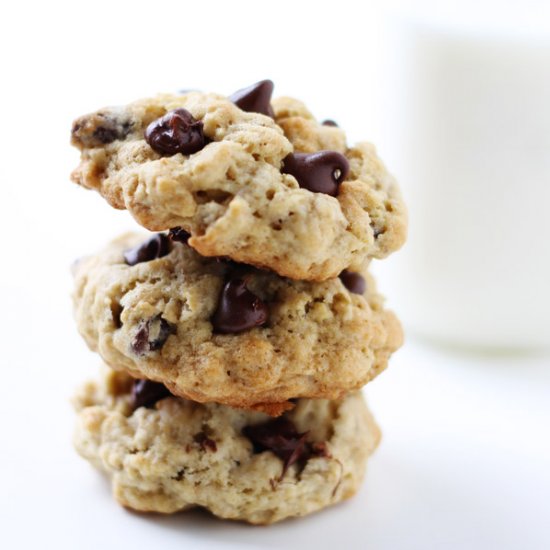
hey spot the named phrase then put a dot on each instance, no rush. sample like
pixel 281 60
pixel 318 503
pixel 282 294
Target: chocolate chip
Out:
pixel 255 98
pixel 320 449
pixel 156 247
pixel 177 234
pixel 151 335
pixel 100 129
pixel 206 444
pixel 238 309
pixel 281 438
pixel 105 135
pixel 146 393
pixel 320 172
pixel 353 281
pixel 176 132
pixel 329 122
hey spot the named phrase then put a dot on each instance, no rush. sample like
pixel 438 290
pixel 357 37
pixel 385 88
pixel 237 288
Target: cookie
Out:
pixel 213 330
pixel 172 454
pixel 284 193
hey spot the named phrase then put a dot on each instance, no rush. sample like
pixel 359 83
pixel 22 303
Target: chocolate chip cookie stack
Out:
pixel 238 335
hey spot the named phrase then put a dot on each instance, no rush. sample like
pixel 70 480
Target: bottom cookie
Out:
pixel 166 454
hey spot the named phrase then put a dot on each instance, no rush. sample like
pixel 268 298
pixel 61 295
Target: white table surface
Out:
pixel 464 460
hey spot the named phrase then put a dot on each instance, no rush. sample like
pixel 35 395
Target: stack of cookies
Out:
pixel 238 335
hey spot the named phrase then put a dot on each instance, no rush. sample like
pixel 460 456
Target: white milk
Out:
pixel 468 134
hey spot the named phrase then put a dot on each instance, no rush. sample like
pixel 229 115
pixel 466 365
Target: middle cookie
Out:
pixel 215 331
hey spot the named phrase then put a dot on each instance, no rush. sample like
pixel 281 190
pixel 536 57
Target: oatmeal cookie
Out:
pixel 216 331
pixel 262 183
pixel 167 454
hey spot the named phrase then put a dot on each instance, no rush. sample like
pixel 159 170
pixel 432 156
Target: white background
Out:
pixel 465 458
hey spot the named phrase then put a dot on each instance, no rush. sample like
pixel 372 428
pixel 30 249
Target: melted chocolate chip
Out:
pixel 146 393
pixel 320 172
pixel 105 135
pixel 206 444
pixel 281 438
pixel 100 129
pixel 176 132
pixel 179 235
pixel 320 449
pixel 156 247
pixel 151 335
pixel 329 122
pixel 238 309
pixel 255 98
pixel 353 281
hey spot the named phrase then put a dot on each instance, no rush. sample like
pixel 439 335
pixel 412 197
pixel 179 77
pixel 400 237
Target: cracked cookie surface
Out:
pixel 158 460
pixel 158 319
pixel 232 195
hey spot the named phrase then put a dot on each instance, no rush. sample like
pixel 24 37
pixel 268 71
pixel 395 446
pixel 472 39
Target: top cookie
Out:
pixel 282 192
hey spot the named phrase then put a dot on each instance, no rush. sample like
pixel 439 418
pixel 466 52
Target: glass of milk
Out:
pixel 467 132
